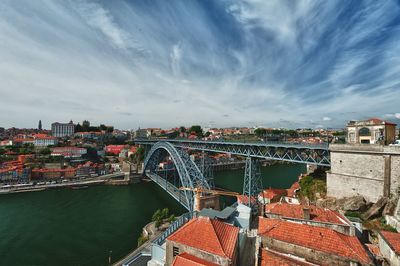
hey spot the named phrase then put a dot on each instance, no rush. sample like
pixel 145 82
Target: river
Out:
pixel 81 227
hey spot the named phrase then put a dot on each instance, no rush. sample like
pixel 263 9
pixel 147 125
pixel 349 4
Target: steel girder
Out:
pixel 252 183
pixel 189 174
pixel 298 153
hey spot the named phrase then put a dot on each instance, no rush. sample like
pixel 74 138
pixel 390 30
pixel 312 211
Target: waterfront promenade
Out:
pixel 83 182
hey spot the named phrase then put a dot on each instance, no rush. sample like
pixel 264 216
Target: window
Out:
pixel 175 251
pixel 364 132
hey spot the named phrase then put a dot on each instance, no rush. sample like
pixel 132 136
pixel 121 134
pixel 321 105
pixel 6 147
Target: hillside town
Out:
pixel 309 223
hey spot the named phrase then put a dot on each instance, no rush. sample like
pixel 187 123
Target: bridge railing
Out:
pixel 244 142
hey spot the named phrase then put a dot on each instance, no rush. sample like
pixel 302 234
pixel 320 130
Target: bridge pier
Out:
pixel 252 184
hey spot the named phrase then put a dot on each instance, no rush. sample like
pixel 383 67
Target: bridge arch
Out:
pixel 188 172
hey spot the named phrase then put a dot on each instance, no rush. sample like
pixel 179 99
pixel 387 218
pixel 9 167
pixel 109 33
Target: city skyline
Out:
pixel 225 63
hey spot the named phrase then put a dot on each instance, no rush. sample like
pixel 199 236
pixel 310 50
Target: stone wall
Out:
pixel 368 170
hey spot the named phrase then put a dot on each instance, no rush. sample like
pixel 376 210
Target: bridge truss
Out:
pixel 198 175
pixel 188 172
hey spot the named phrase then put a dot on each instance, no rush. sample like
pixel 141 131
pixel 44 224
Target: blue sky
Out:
pixel 215 63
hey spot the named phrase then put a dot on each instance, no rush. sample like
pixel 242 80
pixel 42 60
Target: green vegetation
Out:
pixel 385 226
pixel 355 214
pixel 161 216
pixel 142 240
pixel 197 130
pixel 309 186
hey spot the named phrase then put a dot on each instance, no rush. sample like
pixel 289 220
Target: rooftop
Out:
pixel 317 238
pixel 208 235
pixel 271 193
pixel 317 214
pixel 270 257
pixel 393 240
pixel 186 259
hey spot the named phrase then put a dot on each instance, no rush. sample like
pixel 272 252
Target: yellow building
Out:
pixel 371 131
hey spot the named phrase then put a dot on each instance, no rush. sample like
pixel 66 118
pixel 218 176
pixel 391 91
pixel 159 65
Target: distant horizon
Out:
pixel 133 64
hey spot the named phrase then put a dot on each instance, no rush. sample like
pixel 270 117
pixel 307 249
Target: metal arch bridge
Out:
pixel 317 154
pixel 191 176
pixel 189 173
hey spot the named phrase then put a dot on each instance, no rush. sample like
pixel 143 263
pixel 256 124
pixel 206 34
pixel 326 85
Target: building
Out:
pixel 142 133
pixel 389 246
pixel 271 195
pixel 68 152
pixel 311 244
pixel 44 140
pixel 371 131
pixel 312 215
pixel 114 149
pixel 372 171
pixel 206 239
pixel 60 130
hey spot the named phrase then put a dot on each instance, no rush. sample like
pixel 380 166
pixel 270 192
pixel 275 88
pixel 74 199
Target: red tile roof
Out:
pixel 269 257
pixel 380 121
pixel 393 239
pixel 317 214
pixel 209 235
pixel 314 237
pixel 271 193
pixel 291 192
pixel 186 259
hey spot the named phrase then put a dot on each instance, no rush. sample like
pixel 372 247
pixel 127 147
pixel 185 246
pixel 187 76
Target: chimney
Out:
pixel 306 213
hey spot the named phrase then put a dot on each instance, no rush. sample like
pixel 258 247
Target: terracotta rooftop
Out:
pixel 208 235
pixel 393 239
pixel 314 237
pixel 186 259
pixel 269 257
pixel 291 192
pixel 273 192
pixel 317 214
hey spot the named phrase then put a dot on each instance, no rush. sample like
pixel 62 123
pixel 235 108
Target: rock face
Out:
pixel 376 209
pixel 356 203
pixel 390 207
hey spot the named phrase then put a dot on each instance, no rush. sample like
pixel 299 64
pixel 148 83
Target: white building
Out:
pixel 43 140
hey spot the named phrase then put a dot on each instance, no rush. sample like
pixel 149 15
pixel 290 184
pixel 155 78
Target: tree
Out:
pixel 78 128
pixel 260 132
pixel 182 129
pixel 85 125
pixel 197 130
pixel 103 127
pixel 45 151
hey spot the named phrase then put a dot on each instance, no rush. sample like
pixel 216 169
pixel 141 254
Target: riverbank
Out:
pixel 100 180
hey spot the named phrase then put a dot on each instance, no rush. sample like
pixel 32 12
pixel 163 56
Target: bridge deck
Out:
pixel 317 154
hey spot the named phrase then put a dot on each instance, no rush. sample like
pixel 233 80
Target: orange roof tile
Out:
pixel 317 214
pixel 186 259
pixel 209 235
pixel 273 192
pixel 393 239
pixel 314 237
pixel 291 192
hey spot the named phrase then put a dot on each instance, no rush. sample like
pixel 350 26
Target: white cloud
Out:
pixel 271 63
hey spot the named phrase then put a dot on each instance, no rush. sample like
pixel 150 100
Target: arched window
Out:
pixel 364 132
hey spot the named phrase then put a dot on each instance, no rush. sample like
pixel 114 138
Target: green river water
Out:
pixel 80 227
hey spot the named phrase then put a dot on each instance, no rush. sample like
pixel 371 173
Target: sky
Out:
pixel 224 63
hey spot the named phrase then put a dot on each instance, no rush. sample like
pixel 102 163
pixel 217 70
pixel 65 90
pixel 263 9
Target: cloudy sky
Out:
pixel 182 62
